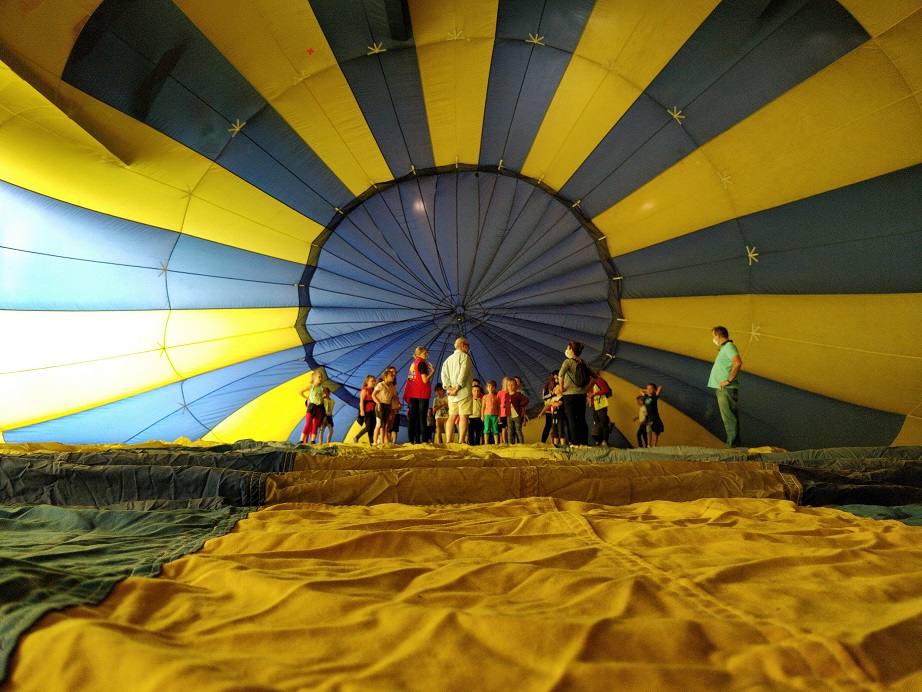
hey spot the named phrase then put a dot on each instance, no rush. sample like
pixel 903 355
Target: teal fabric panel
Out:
pixel 56 557
pixel 908 514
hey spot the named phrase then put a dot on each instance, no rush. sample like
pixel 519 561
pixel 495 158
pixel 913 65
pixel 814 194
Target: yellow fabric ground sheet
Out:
pixel 423 475
pixel 524 594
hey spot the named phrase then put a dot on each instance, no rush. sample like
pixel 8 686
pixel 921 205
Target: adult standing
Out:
pixel 417 392
pixel 458 378
pixel 573 395
pixel 723 380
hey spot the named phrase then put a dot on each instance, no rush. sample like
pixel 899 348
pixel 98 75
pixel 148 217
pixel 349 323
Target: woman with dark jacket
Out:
pixel 573 395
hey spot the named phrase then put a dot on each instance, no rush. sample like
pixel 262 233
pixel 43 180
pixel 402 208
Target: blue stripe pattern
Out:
pixel 839 242
pixel 57 256
pixel 386 84
pixel 533 46
pixel 145 58
pixel 190 408
pixel 743 56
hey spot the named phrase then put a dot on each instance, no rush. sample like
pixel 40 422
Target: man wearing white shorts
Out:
pixel 457 378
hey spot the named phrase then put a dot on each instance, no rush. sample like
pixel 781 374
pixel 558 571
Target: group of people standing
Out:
pixel 487 415
pixel 481 414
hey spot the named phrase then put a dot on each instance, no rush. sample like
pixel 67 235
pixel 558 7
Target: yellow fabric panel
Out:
pixel 268 42
pixel 623 47
pixel 679 428
pixel 203 340
pixel 527 594
pixel 45 151
pixel 901 44
pixel 227 210
pixel 161 183
pixel 43 33
pixel 911 432
pixel 112 355
pixel 271 416
pixel 37 395
pixel 790 149
pixel 210 202
pixel 108 355
pixel 610 484
pixel 454 46
pixel 865 349
pixel 876 17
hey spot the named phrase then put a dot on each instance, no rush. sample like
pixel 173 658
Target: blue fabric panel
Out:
pixel 196 256
pixel 56 256
pixel 817 35
pixel 145 58
pixel 296 178
pixel 386 84
pixel 445 218
pixel 740 58
pixel 842 241
pixel 191 292
pixel 194 406
pixel 771 413
pixel 709 262
pixel 31 222
pixel 210 398
pixel 524 76
pixel 40 282
pixel 57 557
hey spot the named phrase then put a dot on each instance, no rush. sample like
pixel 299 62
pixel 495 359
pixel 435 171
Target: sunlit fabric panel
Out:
pixel 171 77
pixel 534 44
pixel 376 53
pixel 858 230
pixel 771 413
pixel 704 91
pixel 186 409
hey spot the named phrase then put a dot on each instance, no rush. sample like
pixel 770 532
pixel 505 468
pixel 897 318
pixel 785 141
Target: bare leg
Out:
pixel 462 429
pixel 449 428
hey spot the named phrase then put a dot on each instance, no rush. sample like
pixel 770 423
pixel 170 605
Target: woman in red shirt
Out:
pixel 417 392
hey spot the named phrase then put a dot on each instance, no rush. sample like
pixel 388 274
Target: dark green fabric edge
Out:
pixel 37 578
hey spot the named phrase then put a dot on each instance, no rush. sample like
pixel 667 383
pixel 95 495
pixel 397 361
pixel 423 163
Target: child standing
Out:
pixel 384 394
pixel 489 409
pixel 655 425
pixel 440 409
pixel 641 418
pixel 313 400
pixel 328 404
pixel 598 392
pixel 512 403
pixel 475 421
pixel 366 410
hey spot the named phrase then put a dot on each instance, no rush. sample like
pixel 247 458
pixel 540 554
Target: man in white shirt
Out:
pixel 457 378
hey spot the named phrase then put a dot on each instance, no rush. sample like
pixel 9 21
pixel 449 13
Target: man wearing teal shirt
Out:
pixel 723 379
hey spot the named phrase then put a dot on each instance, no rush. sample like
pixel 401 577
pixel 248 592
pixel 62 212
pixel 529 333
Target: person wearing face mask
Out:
pixel 573 395
pixel 723 380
